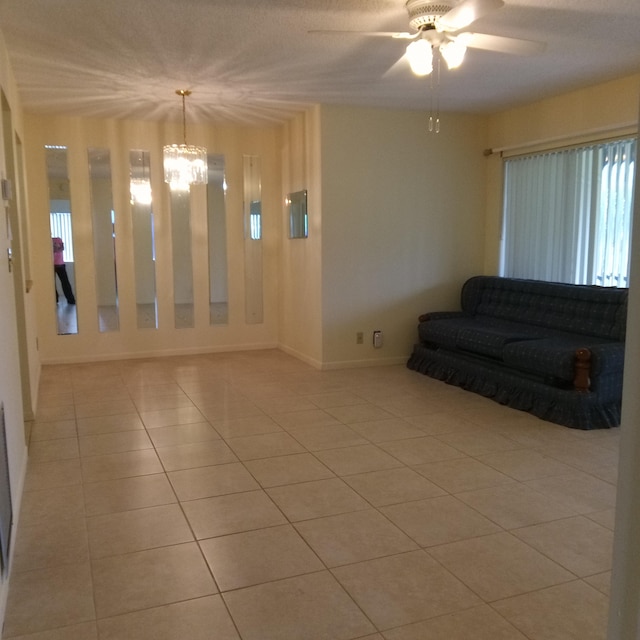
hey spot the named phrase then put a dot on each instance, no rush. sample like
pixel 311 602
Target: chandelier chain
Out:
pixel 184 93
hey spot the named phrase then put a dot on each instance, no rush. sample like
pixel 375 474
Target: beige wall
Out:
pixel 402 225
pixel 589 114
pixel 399 218
pixel 121 136
pixel 300 329
pixel 397 222
pixel 13 307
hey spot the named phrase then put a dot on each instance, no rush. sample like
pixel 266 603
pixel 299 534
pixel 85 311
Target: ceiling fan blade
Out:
pixel 400 35
pixel 502 44
pixel 465 13
pixel 399 68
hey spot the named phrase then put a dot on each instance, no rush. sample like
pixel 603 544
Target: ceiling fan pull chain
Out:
pixel 437 90
pixel 431 103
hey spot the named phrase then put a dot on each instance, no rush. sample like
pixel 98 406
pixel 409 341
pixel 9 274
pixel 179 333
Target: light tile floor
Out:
pixel 247 495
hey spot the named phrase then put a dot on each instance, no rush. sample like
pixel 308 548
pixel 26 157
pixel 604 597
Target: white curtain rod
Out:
pixel 621 129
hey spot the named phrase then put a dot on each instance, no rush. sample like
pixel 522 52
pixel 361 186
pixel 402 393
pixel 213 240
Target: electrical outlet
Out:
pixel 359 337
pixel 377 339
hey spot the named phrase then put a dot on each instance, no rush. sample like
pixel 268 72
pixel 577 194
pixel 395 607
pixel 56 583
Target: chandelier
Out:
pixel 184 164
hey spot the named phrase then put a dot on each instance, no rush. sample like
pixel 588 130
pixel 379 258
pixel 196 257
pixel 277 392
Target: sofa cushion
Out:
pixel 484 336
pixel 488 336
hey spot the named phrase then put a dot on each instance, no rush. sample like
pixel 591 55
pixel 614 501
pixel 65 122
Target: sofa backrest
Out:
pixel 584 309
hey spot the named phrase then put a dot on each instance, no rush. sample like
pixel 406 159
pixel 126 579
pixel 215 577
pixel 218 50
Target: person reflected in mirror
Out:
pixel 60 269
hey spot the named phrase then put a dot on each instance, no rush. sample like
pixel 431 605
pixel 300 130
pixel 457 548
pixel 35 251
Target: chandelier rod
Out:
pixel 184 93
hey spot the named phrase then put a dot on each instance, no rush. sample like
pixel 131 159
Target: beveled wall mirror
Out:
pixel 104 238
pixel 182 261
pixel 60 222
pixel 217 237
pixel 298 220
pixel 143 239
pixel 252 207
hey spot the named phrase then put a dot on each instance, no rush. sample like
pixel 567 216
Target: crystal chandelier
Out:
pixel 184 164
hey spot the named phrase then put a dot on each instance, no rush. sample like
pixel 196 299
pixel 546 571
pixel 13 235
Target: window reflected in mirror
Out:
pixel 217 236
pixel 298 220
pixel 182 261
pixel 253 240
pixel 104 239
pixel 143 239
pixel 62 254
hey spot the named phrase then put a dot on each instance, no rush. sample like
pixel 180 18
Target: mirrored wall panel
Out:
pixel 298 220
pixel 62 255
pixel 253 240
pixel 217 228
pixel 182 261
pixel 143 239
pixel 104 238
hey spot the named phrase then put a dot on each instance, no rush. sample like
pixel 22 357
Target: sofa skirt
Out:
pixel 561 406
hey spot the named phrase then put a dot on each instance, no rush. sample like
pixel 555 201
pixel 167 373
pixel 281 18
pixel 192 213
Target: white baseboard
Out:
pixel 187 351
pixel 355 364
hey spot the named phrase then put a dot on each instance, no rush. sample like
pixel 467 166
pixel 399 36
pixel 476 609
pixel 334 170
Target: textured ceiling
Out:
pixel 255 61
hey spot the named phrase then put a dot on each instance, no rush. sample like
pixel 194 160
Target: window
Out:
pixel 567 214
pixel 255 219
pixel 60 223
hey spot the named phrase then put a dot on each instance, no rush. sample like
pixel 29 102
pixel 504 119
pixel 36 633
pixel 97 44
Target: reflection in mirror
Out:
pixel 104 239
pixel 61 239
pixel 182 263
pixel 143 239
pixel 217 226
pixel 252 240
pixel 298 221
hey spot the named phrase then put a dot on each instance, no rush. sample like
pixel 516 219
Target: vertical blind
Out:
pixel 567 214
pixel 60 223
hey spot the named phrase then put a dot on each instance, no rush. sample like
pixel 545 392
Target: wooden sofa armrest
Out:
pixel 582 378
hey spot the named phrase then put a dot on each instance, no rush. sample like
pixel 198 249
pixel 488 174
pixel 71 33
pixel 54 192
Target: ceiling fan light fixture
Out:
pixel 184 164
pixel 420 56
pixel 453 53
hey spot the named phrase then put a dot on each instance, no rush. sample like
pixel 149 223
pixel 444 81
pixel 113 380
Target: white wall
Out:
pixel 402 225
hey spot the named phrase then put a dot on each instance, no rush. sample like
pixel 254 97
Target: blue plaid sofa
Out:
pixel 555 350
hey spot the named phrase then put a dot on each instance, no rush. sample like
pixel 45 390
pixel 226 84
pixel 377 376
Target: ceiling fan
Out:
pixel 441 25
